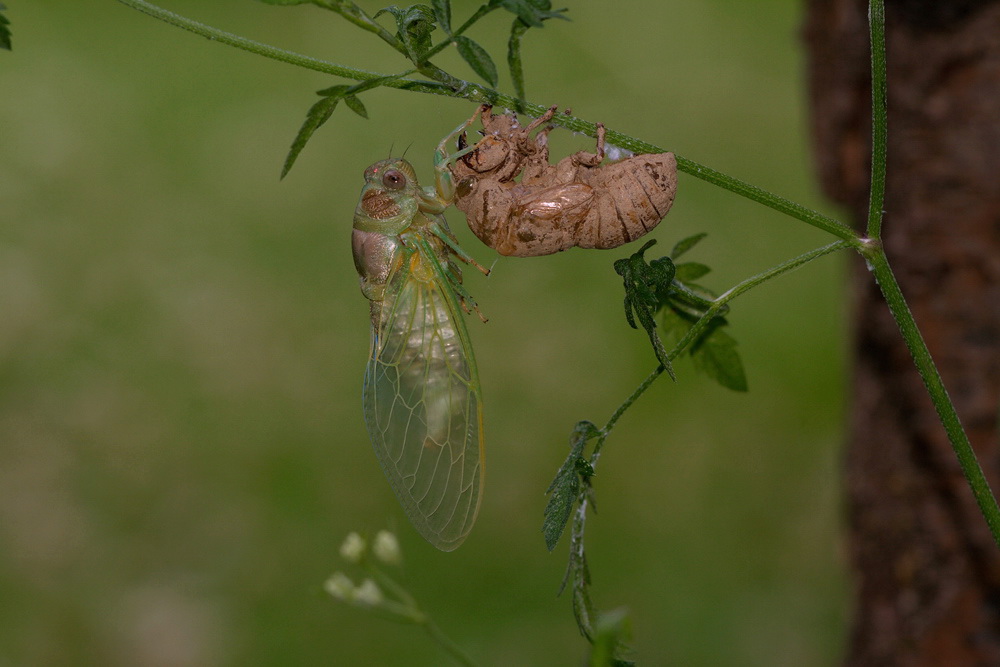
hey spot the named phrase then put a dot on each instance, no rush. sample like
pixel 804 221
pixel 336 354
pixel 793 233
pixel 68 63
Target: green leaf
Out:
pixel 478 59
pixel 645 283
pixel 689 271
pixel 442 12
pixel 320 112
pixel 317 115
pixel 5 34
pixel 715 352
pixel 577 570
pixel 673 327
pixel 517 30
pixel 716 356
pixel 414 25
pixel 686 244
pixel 355 105
pixel 566 485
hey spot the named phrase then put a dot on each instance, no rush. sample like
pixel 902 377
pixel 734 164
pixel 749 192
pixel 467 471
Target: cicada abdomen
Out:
pixel 577 202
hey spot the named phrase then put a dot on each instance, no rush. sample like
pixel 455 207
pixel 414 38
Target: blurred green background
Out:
pixel 183 341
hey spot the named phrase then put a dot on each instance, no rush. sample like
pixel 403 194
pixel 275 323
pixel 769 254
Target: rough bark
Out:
pixel 926 571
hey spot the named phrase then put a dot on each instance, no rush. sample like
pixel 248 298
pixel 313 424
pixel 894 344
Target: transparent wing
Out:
pixel 423 409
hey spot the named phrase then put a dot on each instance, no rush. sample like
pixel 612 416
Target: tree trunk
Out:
pixel 926 570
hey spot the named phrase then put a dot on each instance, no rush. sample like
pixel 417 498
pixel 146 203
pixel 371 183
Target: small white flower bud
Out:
pixel 353 548
pixel 386 548
pixel 340 586
pixel 368 593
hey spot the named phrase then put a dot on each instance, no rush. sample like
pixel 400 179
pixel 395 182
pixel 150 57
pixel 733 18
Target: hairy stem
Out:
pixel 481 94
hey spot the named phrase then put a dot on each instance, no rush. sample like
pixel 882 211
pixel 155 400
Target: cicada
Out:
pixel 422 399
pixel 577 202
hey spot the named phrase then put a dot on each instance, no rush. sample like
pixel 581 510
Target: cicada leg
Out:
pixel 449 240
pixel 452 272
pixel 549 114
pixel 593 159
pixel 444 184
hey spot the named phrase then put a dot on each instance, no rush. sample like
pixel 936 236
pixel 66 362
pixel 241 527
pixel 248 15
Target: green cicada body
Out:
pixel 422 401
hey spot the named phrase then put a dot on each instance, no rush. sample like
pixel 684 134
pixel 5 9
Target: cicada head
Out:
pixel 389 197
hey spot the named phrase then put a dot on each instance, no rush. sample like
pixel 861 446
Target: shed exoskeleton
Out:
pixel 553 207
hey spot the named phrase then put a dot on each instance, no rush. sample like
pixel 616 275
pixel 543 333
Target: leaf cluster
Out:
pixel 413 38
pixel 572 489
pixel 667 288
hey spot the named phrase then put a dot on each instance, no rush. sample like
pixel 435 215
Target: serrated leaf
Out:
pixel 317 115
pixel 321 111
pixel 689 271
pixel 673 327
pixel 355 105
pixel 442 12
pixel 477 57
pixel 716 356
pixel 644 284
pixel 565 486
pixel 414 25
pixel 686 244
pixel 517 30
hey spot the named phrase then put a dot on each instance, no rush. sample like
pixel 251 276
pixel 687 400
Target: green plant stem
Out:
pixel 935 387
pixel 875 256
pixel 445 642
pixel 876 25
pixel 359 18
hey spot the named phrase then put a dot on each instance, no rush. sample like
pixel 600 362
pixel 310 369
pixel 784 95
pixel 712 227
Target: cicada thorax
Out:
pixel 577 202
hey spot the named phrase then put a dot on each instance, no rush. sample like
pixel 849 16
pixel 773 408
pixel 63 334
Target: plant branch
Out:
pixel 481 94
pixel 874 254
pixel 699 327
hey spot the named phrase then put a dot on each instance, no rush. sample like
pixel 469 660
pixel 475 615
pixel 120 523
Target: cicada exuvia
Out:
pixel 520 204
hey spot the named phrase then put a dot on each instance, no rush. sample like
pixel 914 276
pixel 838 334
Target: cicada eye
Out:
pixel 394 179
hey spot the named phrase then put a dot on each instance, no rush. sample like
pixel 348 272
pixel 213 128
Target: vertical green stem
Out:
pixel 874 254
pixel 876 22
pixel 935 387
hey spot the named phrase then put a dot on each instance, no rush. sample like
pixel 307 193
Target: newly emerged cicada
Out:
pixel 577 202
pixel 422 401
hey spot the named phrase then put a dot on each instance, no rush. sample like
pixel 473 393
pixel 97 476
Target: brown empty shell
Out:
pixel 577 202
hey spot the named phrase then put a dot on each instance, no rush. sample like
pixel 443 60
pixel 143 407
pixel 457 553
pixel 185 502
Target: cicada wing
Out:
pixel 558 201
pixel 423 411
